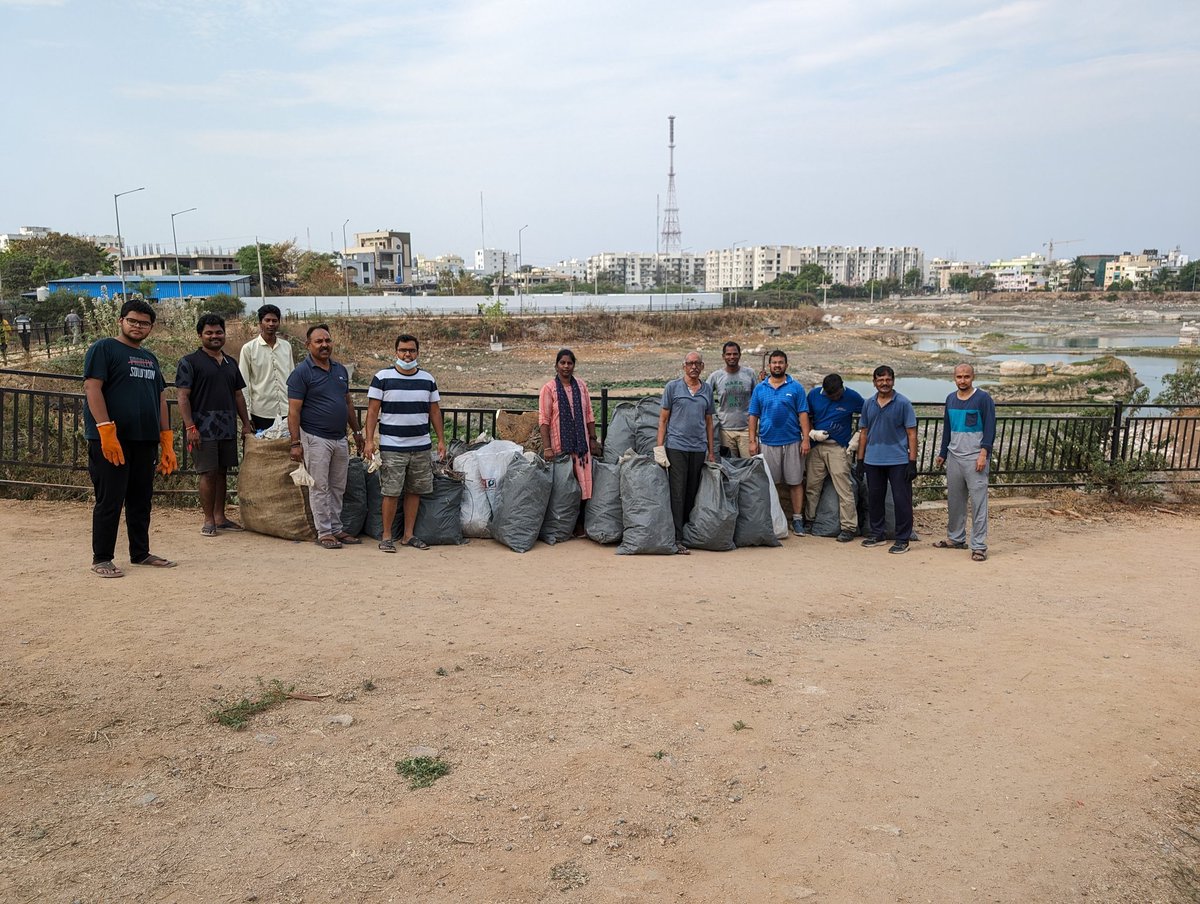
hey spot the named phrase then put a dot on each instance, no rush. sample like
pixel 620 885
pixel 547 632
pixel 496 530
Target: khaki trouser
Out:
pixel 737 442
pixel 829 459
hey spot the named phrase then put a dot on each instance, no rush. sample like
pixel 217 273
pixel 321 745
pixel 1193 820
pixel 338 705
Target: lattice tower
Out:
pixel 672 237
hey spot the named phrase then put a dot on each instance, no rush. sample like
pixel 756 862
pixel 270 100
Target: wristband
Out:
pixel 104 423
pixel 297 442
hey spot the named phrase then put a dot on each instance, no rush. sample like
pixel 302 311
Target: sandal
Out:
pixel 949 544
pixel 229 525
pixel 978 555
pixel 387 546
pixel 154 561
pixel 329 543
pixel 107 570
pixel 681 550
pixel 348 539
pixel 416 543
pixel 209 530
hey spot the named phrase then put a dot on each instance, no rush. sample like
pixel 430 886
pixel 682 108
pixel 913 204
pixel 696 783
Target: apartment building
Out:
pixel 940 271
pixel 640 272
pixel 152 260
pixel 389 254
pixel 851 265
pixel 1019 274
pixel 1137 268
pixel 490 261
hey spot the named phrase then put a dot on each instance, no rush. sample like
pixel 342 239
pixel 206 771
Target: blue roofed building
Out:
pixel 164 286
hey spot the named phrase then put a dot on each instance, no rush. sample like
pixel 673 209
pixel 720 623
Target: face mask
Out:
pixel 407 365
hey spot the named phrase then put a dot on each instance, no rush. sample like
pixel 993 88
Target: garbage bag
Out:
pixel 562 511
pixel 438 516
pixel 482 469
pixel 373 525
pixel 647 526
pixel 621 430
pixel 779 518
pixel 754 494
pixel 520 507
pixel 269 501
pixel 827 521
pixel 714 516
pixel 602 517
pixel 645 436
pixel 354 501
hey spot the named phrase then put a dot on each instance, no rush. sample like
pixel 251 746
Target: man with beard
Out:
pixel 779 427
pixel 211 405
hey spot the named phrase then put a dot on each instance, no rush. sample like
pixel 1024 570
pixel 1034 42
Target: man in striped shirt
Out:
pixel 402 403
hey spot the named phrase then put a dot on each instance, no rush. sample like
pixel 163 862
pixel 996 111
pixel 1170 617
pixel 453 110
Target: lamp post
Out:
pixel 345 275
pixel 520 267
pixel 120 241
pixel 178 278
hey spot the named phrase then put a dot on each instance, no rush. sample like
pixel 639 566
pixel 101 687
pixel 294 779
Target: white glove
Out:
pixel 375 462
pixel 818 436
pixel 660 456
pixel 301 477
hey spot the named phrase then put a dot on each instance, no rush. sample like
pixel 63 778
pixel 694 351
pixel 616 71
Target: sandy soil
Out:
pixel 916 728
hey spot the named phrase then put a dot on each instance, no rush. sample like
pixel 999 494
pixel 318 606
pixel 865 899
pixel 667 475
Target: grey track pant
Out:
pixel 327 461
pixel 963 482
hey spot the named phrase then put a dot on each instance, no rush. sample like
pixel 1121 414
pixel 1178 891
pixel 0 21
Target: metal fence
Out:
pixel 1037 445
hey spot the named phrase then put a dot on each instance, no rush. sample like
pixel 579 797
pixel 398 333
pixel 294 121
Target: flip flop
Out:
pixel 329 543
pixel 416 543
pixel 681 550
pixel 107 570
pixel 348 539
pixel 153 561
pixel 387 546
pixel 230 525
pixel 949 544
pixel 208 530
pixel 978 555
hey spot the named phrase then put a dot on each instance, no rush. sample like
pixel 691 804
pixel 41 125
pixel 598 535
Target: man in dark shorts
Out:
pixel 211 405
pixel 125 421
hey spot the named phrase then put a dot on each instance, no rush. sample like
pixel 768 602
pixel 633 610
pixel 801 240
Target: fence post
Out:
pixel 603 413
pixel 1114 450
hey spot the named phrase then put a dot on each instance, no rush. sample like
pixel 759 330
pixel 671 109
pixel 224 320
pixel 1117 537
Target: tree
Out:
pixel 984 284
pixel 33 262
pixel 912 279
pixel 460 283
pixel 1181 387
pixel 960 282
pixel 316 274
pixel 1186 279
pixel 278 260
pixel 1078 274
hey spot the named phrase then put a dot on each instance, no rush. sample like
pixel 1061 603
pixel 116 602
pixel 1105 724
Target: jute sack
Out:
pixel 270 502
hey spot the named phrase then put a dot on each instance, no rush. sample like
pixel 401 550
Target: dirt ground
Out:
pixel 817 723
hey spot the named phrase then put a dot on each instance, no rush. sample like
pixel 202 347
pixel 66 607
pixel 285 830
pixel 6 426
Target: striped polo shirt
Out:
pixel 403 409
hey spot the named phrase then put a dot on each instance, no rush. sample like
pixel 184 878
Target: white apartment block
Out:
pixel 390 256
pixel 940 271
pixel 489 261
pixel 22 233
pixel 639 271
pixel 1019 274
pixel 851 265
pixel 572 269
pixel 427 269
pixel 1137 268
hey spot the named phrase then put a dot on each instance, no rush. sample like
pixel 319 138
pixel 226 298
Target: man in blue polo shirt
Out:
pixel 968 431
pixel 887 456
pixel 319 410
pixel 779 427
pixel 832 408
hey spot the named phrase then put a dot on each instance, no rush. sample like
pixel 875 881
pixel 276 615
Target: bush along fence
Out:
pixel 1108 446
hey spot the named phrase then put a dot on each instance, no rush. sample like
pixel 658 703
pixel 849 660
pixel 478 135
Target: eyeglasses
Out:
pixel 693 364
pixel 144 324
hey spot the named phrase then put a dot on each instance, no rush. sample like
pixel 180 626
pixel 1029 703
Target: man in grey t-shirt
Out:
pixel 732 386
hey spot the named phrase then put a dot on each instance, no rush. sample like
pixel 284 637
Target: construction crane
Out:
pixel 1050 247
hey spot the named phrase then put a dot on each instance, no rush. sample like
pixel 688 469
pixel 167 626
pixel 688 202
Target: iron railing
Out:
pixel 1037 445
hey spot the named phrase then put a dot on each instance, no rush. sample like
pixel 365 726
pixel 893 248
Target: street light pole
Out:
pixel 120 241
pixel 520 268
pixel 178 278
pixel 345 275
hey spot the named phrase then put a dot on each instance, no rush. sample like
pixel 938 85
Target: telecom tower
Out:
pixel 672 237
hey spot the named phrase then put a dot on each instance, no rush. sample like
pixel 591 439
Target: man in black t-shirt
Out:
pixel 125 421
pixel 211 404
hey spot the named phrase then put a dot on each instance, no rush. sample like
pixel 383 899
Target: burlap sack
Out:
pixel 270 503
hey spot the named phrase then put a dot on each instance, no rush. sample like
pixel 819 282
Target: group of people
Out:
pixel 808 437
pixel 803 436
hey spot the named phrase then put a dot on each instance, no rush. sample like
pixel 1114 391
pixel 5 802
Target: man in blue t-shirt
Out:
pixel 779 428
pixel 125 423
pixel 319 410
pixel 968 432
pixel 832 408
pixel 887 456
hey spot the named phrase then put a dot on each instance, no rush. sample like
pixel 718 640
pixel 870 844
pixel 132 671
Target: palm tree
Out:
pixel 1078 273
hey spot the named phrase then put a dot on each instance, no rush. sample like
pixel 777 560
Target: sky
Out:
pixel 973 129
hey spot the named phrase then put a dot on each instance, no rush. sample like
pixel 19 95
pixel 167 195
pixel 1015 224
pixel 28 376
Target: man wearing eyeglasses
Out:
pixel 125 422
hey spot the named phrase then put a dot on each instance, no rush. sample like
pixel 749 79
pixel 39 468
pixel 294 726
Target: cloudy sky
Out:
pixel 971 128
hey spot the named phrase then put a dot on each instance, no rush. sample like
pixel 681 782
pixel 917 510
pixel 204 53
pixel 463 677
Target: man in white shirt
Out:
pixel 265 362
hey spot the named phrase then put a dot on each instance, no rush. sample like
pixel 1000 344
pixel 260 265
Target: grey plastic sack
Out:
pixel 714 516
pixel 645 436
pixel 373 526
pixel 520 505
pixel 828 522
pixel 647 526
pixel 754 489
pixel 602 516
pixel 621 430
pixel 562 511
pixel 354 501
pixel 438 520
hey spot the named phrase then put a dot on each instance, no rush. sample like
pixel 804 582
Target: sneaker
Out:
pixel 845 536
pixel 798 527
pixel 873 541
pixel 899 547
